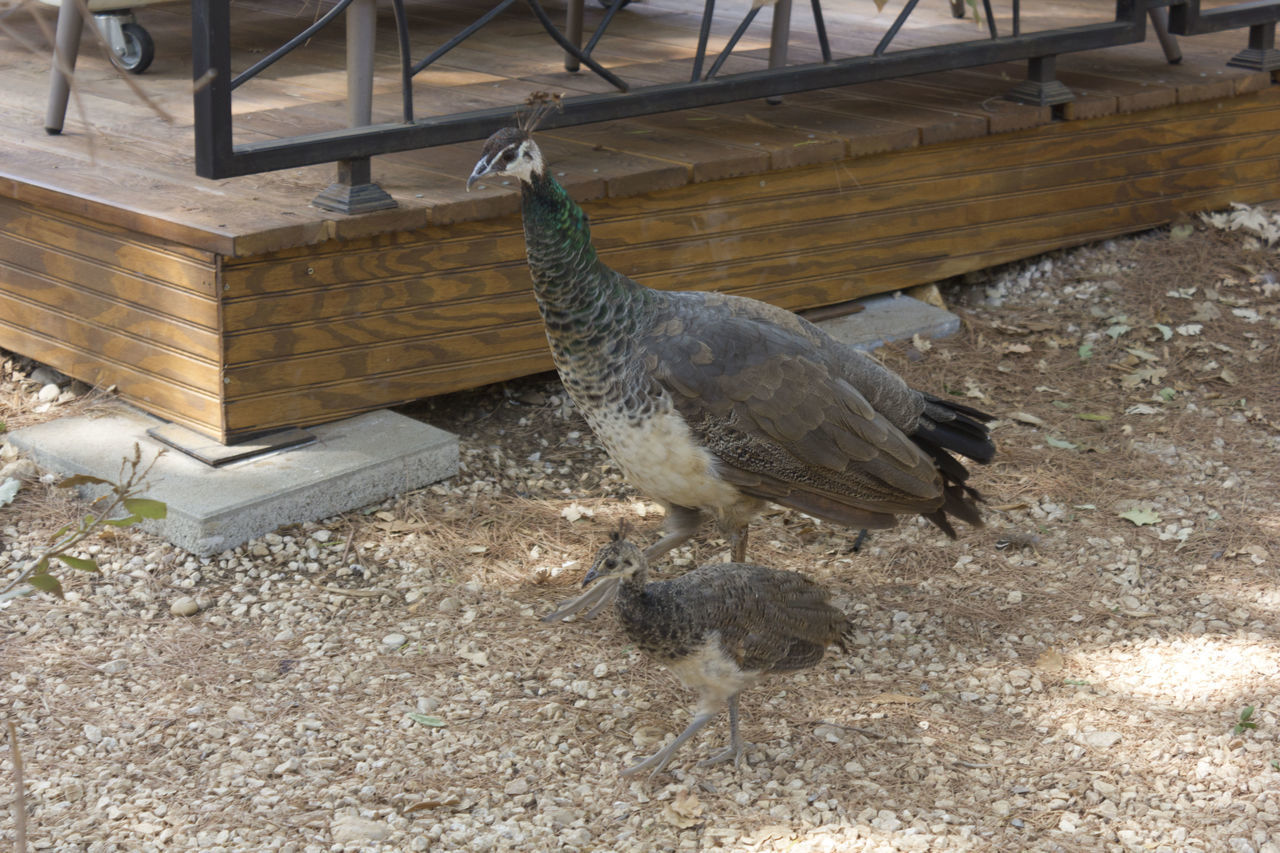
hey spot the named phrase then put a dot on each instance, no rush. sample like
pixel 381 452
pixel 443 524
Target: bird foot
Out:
pixel 732 753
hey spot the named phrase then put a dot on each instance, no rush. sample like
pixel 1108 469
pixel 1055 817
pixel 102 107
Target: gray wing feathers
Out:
pixel 794 416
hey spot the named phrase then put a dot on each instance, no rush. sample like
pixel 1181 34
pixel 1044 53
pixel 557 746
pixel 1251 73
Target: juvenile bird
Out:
pixel 714 404
pixel 718 628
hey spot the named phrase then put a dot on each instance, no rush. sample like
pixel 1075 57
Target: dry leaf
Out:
pixel 1144 374
pixel 575 511
pixel 1025 418
pixel 684 811
pixel 921 344
pixel 1050 660
pixel 1141 517
pixel 894 699
pixel 1206 312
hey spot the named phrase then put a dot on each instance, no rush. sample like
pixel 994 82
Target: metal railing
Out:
pixel 218 157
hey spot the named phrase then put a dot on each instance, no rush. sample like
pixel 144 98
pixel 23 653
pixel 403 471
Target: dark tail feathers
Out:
pixel 947 427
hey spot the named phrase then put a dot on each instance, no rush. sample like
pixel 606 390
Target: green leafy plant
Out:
pixel 1245 722
pixel 123 496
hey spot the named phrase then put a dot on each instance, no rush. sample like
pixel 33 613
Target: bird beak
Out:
pixel 592 574
pixel 481 169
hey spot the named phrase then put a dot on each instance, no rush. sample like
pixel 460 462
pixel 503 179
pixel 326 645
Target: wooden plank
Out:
pixel 85 275
pixel 340 400
pixel 386 361
pixel 106 244
pixel 138 322
pixel 171 400
pixel 704 159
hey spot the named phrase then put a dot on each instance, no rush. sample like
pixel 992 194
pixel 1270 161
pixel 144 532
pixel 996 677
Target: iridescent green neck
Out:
pixel 579 296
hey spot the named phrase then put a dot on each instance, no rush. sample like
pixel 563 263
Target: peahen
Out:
pixel 718 628
pixel 714 404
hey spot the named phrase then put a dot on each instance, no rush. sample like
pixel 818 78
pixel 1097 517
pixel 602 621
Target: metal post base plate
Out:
pixel 357 198
pixel 1046 93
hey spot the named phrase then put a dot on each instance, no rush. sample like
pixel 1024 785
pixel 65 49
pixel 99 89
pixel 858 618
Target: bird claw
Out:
pixel 729 753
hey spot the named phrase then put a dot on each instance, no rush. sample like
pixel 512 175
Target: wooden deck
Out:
pixel 235 307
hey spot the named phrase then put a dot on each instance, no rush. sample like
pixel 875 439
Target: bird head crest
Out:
pixel 619 535
pixel 538 106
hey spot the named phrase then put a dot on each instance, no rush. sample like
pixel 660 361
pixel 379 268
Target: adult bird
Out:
pixel 719 629
pixel 714 404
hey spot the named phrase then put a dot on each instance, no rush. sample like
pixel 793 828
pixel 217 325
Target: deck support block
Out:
pixel 1261 54
pixel 1042 88
pixel 354 191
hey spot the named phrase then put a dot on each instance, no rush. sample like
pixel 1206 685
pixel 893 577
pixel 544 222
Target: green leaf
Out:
pixel 146 508
pixel 46 583
pixel 434 722
pixel 1167 394
pixel 1091 416
pixel 80 563
pixel 82 480
pixel 1060 443
pixel 1165 331
pixel 1062 404
pixel 1085 351
pixel 1117 330
pixel 1141 517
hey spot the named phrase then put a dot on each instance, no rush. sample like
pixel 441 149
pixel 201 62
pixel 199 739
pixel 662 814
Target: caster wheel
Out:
pixel 136 50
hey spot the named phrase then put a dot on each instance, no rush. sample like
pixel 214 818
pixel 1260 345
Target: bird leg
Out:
pixel 681 523
pixel 660 758
pixel 732 752
pixel 738 545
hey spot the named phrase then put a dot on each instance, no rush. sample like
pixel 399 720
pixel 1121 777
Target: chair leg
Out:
pixel 1168 43
pixel 66 45
pixel 573 31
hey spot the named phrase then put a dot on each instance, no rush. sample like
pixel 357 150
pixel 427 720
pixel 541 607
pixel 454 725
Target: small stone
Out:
pixel 394 641
pixel 19 469
pixel 601 670
pixel 322 535
pixel 1100 740
pixel 48 393
pixel 351 829
pixel 92 733
pixel 288 766
pixel 112 667
pixel 1014 597
pixel 45 375
pixel 448 604
pixel 516 787
pixel 237 713
pixel 184 606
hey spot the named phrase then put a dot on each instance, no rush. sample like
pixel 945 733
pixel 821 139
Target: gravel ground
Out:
pixel 1071 677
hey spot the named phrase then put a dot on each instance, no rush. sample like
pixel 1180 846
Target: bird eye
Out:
pixel 611 564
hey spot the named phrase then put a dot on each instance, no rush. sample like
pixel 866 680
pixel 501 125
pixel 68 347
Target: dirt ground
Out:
pixel 1077 675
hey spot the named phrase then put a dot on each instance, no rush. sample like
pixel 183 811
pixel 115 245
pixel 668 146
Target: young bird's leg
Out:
pixel 660 758
pixel 738 545
pixel 733 752
pixel 680 525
